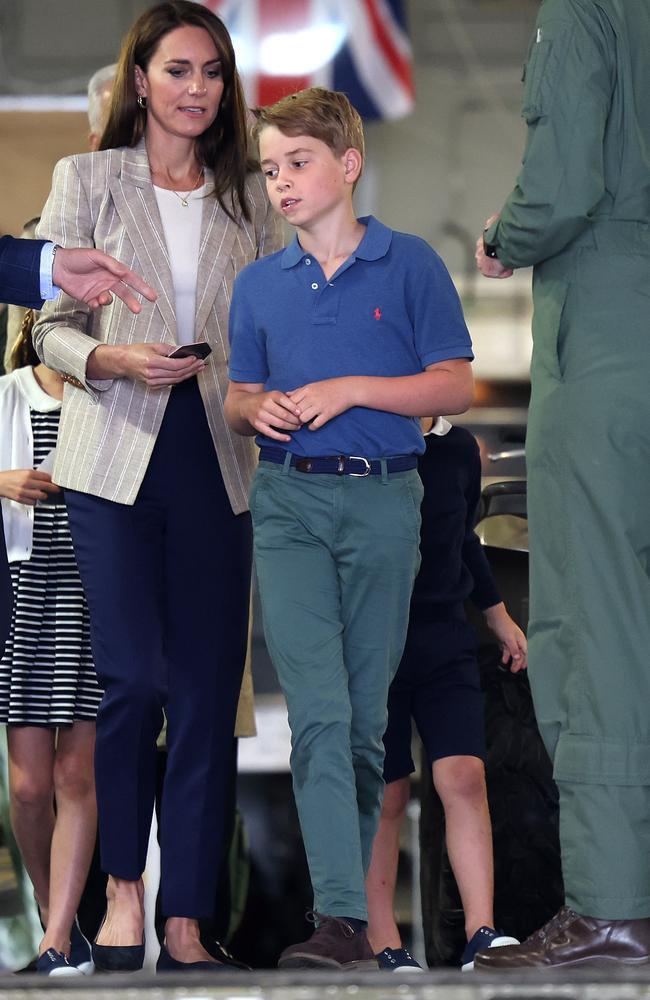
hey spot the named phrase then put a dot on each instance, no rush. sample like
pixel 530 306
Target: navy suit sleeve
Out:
pixel 485 593
pixel 20 283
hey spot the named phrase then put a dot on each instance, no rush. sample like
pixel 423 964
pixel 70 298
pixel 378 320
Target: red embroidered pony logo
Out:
pixel 377 313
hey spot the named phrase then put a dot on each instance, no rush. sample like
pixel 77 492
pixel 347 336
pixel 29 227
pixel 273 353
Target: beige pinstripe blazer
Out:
pixel 108 431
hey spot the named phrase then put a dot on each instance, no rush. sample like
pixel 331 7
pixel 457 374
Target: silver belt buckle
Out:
pixel 360 458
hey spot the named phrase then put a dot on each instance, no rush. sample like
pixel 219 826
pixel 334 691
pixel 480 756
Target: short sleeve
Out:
pixel 436 312
pixel 248 362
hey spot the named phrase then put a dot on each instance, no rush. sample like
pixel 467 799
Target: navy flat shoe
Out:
pixel 118 958
pixel 166 963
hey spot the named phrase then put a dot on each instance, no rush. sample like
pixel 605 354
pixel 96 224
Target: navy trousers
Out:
pixel 167 582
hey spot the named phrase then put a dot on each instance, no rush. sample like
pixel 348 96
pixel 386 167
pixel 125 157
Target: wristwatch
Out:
pixel 489 249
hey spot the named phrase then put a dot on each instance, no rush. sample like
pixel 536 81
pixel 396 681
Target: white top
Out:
pixel 182 228
pixel 18 391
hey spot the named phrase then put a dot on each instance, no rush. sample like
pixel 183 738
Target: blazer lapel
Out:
pixel 135 203
pixel 217 238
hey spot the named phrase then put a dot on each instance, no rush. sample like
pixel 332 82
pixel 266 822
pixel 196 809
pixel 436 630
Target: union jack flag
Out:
pixel 358 46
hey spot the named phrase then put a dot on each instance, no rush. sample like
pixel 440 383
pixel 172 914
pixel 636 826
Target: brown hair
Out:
pixel 22 352
pixel 322 114
pixel 223 146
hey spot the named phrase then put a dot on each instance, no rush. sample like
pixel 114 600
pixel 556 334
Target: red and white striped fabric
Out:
pixel 358 46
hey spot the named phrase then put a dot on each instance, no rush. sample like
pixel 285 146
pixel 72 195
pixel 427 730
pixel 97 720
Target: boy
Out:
pixel 338 344
pixel 437 684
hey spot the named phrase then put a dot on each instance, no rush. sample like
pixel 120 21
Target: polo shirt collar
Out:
pixel 374 245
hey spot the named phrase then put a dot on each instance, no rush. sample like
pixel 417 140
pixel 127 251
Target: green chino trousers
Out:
pixel 336 558
pixel 588 455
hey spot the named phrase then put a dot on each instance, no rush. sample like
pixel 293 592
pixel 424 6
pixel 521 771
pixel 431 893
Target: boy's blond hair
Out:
pixel 322 114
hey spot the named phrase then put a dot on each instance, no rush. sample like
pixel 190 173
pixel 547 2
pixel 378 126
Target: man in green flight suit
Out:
pixel 580 214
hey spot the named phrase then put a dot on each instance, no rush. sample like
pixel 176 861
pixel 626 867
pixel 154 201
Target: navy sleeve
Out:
pixel 485 593
pixel 20 272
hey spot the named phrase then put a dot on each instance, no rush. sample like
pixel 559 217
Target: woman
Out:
pixel 156 485
pixel 48 688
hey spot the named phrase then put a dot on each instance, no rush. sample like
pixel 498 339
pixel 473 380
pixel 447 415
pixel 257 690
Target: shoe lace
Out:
pixel 313 917
pixel 564 916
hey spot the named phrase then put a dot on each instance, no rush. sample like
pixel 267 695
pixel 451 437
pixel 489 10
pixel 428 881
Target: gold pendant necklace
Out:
pixel 185 198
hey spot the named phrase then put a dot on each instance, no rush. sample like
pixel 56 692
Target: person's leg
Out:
pixel 119 553
pixel 448 709
pixel 398 765
pixel 307 556
pixel 377 555
pixel 31 790
pixel 588 455
pixel 300 597
pixel 460 783
pixel 589 637
pixel 382 874
pixel 75 829
pixel 207 590
pixel 206 665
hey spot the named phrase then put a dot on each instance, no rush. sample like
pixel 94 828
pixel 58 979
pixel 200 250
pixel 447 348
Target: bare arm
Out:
pixel 445 387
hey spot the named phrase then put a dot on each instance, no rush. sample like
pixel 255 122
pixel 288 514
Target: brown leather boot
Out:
pixel 333 945
pixel 571 940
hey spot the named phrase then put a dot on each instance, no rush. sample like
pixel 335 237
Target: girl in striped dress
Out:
pixel 49 693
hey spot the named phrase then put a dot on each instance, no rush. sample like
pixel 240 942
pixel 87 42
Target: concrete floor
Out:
pixel 443 985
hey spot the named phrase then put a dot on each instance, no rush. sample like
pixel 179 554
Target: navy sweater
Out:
pixel 454 566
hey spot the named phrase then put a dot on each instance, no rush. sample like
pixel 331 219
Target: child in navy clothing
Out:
pixel 339 344
pixel 437 684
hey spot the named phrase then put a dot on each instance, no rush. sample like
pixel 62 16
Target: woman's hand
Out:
pixel 146 363
pixel 27 486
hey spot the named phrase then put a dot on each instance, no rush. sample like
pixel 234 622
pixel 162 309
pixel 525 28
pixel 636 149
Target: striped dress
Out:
pixel 47 677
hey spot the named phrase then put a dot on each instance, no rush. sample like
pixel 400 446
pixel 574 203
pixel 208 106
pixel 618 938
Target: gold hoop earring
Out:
pixel 142 101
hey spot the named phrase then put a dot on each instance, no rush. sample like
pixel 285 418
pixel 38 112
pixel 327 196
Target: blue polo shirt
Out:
pixel 390 309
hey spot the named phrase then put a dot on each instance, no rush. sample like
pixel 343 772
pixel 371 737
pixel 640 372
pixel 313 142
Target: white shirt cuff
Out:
pixel 48 288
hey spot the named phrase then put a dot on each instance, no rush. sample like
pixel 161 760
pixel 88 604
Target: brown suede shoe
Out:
pixel 333 945
pixel 570 940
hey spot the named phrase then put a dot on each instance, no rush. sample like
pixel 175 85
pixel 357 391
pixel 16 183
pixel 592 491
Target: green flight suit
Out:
pixel 580 213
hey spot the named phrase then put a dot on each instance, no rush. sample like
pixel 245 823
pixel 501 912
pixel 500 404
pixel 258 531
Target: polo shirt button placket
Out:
pixel 314 285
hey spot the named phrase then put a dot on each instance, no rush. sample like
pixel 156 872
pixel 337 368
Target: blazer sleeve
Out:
pixel 269 235
pixel 20 280
pixel 62 334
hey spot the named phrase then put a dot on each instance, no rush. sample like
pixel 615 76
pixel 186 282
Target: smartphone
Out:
pixel 197 350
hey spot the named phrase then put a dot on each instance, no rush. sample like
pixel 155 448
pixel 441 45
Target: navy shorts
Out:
pixel 438 686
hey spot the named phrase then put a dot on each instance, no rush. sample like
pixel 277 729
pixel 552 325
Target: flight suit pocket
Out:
pixel 549 327
pixel 541 74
